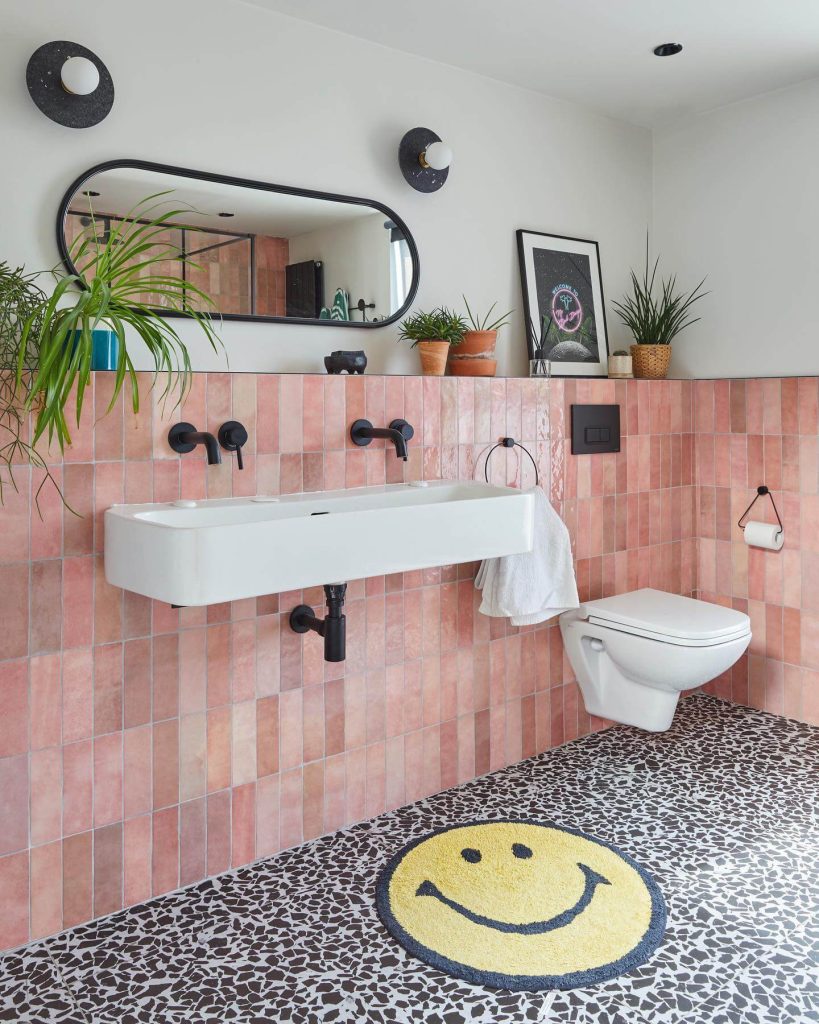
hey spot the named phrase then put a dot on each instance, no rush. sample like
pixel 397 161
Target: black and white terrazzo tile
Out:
pixel 723 810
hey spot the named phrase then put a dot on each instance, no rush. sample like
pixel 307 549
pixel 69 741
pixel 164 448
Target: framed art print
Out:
pixel 563 303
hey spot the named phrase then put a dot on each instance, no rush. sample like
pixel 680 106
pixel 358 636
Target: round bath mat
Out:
pixel 521 905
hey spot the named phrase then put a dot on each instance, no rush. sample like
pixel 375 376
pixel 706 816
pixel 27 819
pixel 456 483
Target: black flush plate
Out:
pixel 595 428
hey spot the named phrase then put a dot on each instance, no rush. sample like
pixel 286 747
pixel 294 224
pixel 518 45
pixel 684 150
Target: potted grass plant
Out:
pixel 123 285
pixel 432 334
pixel 655 312
pixel 475 355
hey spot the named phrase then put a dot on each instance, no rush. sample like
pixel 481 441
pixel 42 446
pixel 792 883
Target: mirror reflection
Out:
pixel 260 251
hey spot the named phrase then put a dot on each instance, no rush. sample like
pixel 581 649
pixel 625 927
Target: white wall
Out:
pixel 356 257
pixel 224 86
pixel 736 198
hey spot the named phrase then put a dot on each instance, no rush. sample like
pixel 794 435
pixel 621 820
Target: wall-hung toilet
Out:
pixel 634 654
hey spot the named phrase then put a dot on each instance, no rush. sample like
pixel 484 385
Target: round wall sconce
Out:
pixel 424 159
pixel 70 84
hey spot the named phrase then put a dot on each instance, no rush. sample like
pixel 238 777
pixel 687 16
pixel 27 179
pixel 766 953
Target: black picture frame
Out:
pixel 547 267
pixel 224 179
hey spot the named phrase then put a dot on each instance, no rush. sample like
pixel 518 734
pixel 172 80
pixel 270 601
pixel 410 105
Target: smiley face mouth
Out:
pixel 593 879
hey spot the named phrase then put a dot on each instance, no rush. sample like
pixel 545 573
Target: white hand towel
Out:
pixel 538 584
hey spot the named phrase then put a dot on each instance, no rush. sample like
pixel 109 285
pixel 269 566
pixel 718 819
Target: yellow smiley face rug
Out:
pixel 521 905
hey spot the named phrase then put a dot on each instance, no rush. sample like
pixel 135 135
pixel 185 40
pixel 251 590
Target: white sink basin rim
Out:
pixel 229 549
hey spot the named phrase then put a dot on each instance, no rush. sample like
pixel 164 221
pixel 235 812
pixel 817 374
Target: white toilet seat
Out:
pixel 669 618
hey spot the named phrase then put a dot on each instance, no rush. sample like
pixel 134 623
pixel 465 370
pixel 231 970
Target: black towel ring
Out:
pixel 509 442
pixel 760 492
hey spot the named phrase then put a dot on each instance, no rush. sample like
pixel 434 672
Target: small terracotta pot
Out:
pixel 471 358
pixel 650 361
pixel 472 367
pixel 433 357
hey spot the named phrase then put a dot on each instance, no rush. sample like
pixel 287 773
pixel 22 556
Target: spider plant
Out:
pixel 441 324
pixel 655 312
pixel 20 299
pixel 122 287
pixel 480 323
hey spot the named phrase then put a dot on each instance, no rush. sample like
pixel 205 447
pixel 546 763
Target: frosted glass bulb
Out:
pixel 438 156
pixel 79 76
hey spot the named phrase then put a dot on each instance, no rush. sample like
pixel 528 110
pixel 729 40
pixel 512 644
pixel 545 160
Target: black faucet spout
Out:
pixel 399 432
pixel 184 437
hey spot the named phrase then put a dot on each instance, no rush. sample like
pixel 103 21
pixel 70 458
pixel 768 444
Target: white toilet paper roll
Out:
pixel 764 535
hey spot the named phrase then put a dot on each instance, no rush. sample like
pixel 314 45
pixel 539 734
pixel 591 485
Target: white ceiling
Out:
pixel 255 211
pixel 597 52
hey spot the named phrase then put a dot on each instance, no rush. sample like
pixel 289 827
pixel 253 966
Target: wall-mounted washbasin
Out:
pixel 206 552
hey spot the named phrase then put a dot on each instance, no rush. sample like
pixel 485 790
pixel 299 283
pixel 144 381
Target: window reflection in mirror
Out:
pixel 261 251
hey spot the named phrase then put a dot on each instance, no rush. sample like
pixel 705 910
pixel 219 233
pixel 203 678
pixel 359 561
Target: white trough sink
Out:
pixel 206 552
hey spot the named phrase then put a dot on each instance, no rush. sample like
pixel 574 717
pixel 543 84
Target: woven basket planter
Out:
pixel 650 361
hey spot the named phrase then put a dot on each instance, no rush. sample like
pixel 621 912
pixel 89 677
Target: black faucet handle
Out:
pixel 232 437
pixel 403 428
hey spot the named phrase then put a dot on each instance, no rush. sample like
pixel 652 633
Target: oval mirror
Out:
pixel 261 251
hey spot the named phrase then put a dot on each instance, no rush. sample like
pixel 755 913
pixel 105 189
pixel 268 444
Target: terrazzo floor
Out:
pixel 723 810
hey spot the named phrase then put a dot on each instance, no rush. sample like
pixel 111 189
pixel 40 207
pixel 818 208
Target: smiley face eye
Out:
pixel 471 856
pixel 521 851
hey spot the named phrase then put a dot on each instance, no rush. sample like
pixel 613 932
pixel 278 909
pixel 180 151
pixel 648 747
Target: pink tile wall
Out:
pixel 751 432
pixel 143 748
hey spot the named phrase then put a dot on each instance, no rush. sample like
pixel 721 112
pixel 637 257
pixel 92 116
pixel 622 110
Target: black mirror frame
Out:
pixel 224 179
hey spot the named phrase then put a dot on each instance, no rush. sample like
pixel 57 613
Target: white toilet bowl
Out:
pixel 634 654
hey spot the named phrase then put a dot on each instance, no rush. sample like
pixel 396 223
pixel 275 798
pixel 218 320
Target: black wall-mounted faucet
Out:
pixel 399 432
pixel 232 437
pixel 184 437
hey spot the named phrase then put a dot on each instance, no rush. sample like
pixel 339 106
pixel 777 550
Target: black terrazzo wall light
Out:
pixel 424 160
pixel 70 84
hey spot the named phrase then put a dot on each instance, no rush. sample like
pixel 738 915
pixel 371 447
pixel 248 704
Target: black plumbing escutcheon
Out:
pixel 233 437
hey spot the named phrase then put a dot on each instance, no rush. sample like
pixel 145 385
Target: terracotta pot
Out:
pixel 477 347
pixel 433 357
pixel 472 367
pixel 620 367
pixel 650 361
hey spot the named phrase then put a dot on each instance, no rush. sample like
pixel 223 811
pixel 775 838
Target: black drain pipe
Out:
pixel 333 627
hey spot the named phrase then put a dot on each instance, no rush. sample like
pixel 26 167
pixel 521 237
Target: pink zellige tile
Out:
pixel 192 840
pixel 46 890
pixel 313 799
pixel 136 869
pixel 107 869
pixel 46 795
pixel 291 809
pixel 45 701
pixel 243 824
pixel 165 860
pixel 77 787
pixel 14 721
pixel 107 779
pixel 77 879
pixel 14 888
pixel 218 832
pixel 267 816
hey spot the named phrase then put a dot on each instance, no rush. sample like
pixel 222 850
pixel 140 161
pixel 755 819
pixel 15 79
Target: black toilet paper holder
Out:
pixel 760 492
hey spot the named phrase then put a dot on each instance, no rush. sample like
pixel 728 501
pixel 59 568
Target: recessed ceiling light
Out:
pixel 227 214
pixel 667 49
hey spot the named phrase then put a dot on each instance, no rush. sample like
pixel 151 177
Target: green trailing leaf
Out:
pixel 441 324
pixel 120 285
pixel 656 315
pixel 20 301
pixel 482 323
